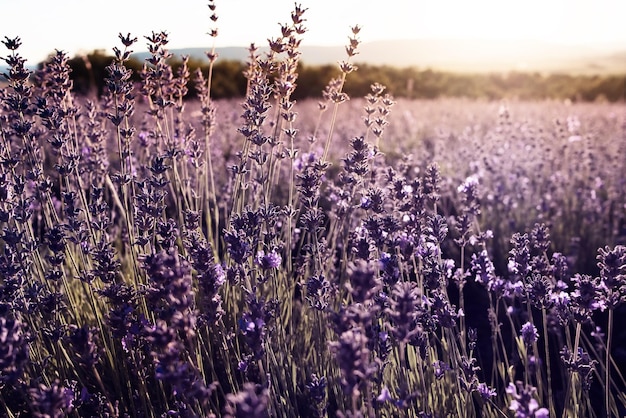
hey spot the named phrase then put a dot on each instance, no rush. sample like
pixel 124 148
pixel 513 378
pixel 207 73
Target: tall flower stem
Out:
pixel 570 382
pixel 546 346
pixel 607 372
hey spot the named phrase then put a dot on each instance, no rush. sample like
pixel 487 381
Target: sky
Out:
pixel 80 26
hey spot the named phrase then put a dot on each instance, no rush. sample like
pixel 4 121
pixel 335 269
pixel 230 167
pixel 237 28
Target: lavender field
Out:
pixel 349 257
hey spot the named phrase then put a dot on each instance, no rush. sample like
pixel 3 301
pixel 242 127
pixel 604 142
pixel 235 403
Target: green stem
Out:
pixel 607 372
pixel 570 382
pixel 546 346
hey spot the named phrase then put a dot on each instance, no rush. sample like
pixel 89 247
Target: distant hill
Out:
pixel 468 56
pixel 462 56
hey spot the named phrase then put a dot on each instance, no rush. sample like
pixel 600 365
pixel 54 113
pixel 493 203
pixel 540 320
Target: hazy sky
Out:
pixel 84 25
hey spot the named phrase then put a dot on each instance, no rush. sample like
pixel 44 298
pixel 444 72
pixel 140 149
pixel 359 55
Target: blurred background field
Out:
pixel 403 81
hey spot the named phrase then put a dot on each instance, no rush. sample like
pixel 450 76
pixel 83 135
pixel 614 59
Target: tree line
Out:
pixel 88 73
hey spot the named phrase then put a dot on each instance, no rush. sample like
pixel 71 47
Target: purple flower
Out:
pixel 243 364
pixel 268 261
pixel 469 378
pixel 211 275
pixel 443 311
pixel 13 349
pixel 440 369
pixel 316 389
pixel 254 329
pixel 437 227
pixel 12 44
pixel 251 402
pixel 318 292
pixel 390 268
pixel 581 364
pixel 540 238
pixel 534 364
pixel 364 283
pixel 353 357
pixel 52 401
pixel 483 268
pixel 385 395
pixel 432 180
pixel 170 292
pixel 586 297
pixel 469 185
pixel 523 402
pixel 560 267
pixel 560 311
pixel 403 310
pixel 356 161
pixel 470 197
pixel 472 338
pixel 432 269
pixel 84 341
pixel 529 334
pixel 254 323
pixel 171 365
pixel 612 264
pixel 106 262
pixel 239 246
pixel 485 391
pixel 167 232
pixel 539 288
pixel 519 255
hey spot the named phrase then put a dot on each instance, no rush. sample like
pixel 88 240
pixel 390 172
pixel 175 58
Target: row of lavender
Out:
pixel 353 258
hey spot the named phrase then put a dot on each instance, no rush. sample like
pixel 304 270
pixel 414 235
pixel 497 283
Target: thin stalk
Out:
pixel 607 372
pixel 570 382
pixel 462 302
pixel 210 195
pixel 546 347
pixel 333 120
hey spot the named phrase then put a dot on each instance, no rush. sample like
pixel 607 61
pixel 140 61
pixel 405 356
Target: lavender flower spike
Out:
pixel 529 334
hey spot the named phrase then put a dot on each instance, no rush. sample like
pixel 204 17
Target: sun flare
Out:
pixel 576 22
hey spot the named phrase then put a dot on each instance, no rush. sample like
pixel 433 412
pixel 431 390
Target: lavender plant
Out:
pixel 167 257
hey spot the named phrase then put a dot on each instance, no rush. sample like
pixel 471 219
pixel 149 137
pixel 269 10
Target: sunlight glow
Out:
pixel 74 26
